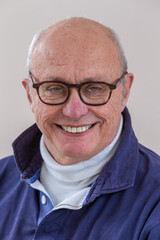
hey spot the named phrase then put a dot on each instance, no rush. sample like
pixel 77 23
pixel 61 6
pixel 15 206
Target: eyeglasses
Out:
pixel 90 93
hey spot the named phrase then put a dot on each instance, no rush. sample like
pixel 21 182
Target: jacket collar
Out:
pixel 118 174
pixel 27 153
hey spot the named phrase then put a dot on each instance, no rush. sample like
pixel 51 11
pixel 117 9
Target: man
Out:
pixel 79 172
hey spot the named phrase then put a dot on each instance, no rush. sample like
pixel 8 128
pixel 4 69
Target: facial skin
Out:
pixel 75 51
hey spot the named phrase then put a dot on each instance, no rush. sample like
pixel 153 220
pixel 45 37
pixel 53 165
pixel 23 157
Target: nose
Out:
pixel 74 108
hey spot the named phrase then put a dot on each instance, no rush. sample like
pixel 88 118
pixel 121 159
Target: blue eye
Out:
pixel 94 89
pixel 50 90
pixel 55 89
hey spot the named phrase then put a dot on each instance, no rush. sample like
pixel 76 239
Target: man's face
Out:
pixel 76 62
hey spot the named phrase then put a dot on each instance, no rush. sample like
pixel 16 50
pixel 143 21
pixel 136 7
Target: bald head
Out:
pixel 78 28
pixel 75 33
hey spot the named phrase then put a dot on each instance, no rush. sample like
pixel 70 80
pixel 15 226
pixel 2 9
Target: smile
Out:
pixel 76 129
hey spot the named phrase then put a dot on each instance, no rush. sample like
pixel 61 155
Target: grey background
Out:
pixel 136 21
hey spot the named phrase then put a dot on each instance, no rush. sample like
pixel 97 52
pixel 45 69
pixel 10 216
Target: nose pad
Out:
pixel 74 107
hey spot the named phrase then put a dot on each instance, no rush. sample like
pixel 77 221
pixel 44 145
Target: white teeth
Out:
pixel 76 130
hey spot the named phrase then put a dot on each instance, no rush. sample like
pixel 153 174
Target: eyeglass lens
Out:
pixel 91 93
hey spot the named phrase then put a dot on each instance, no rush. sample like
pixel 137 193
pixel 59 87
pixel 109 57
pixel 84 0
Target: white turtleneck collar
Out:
pixel 69 184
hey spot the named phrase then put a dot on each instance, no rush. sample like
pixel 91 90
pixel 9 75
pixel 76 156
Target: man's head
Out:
pixel 75 51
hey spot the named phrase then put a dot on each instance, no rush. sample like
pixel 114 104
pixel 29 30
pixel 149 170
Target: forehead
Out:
pixel 78 48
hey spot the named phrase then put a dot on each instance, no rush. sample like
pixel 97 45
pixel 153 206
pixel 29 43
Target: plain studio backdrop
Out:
pixel 137 22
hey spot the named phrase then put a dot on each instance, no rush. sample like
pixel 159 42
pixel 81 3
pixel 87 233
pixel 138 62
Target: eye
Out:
pixel 52 90
pixel 55 89
pixel 95 89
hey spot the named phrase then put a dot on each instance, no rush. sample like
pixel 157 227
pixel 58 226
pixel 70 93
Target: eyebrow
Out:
pixel 62 80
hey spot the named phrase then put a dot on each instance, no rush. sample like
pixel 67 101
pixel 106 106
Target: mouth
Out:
pixel 80 129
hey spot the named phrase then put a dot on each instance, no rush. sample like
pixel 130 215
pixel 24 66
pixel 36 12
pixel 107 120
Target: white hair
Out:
pixel 116 40
pixel 31 48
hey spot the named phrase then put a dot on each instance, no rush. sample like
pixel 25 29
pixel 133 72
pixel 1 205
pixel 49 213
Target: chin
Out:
pixel 77 155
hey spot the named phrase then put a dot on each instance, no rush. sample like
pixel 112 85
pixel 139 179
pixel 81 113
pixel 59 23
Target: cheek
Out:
pixel 112 109
pixel 44 115
pixel 110 117
pixel 38 111
pixel 116 101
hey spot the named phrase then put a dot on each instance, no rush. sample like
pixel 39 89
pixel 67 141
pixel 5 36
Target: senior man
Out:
pixel 79 172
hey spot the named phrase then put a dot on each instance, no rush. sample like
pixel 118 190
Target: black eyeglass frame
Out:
pixel 112 87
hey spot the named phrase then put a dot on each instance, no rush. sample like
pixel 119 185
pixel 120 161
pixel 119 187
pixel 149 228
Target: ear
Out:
pixel 26 85
pixel 128 84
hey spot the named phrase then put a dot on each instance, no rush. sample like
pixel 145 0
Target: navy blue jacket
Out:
pixel 123 203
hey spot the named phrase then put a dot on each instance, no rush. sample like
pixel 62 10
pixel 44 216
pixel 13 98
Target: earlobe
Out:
pixel 128 84
pixel 26 85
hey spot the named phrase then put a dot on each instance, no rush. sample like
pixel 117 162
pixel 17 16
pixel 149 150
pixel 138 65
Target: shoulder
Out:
pixel 149 158
pixel 8 171
pixel 148 152
pixel 7 163
pixel 148 172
